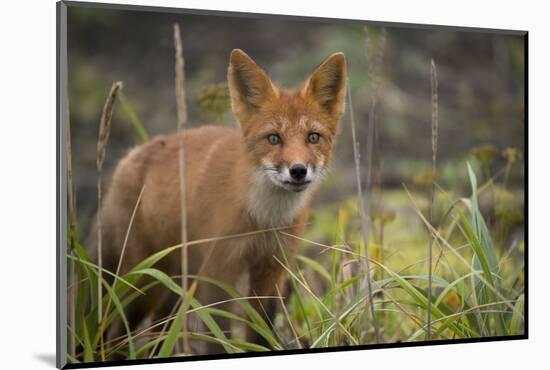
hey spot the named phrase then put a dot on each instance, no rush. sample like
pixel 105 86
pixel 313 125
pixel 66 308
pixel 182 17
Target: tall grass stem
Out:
pixel 103 139
pixel 72 235
pixel 119 266
pixel 435 129
pixel 182 122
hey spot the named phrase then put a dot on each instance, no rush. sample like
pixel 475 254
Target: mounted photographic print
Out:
pixel 236 184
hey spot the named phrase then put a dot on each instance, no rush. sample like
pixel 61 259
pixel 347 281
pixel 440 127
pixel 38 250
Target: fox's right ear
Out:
pixel 249 86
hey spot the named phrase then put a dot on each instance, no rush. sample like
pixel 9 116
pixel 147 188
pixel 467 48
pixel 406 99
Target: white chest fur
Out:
pixel 272 206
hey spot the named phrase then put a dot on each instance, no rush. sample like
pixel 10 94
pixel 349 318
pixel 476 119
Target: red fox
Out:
pixel 259 176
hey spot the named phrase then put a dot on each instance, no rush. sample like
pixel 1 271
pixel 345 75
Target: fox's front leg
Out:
pixel 269 278
pixel 264 278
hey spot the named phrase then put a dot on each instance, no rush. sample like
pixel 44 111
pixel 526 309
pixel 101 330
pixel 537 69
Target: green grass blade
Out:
pixel 419 298
pixel 257 322
pixel 88 287
pixel 160 276
pixel 96 267
pixel 517 316
pixel 247 346
pixel 173 333
pixel 132 117
pixel 480 255
pixel 120 309
pixel 208 320
pixel 479 225
pixel 132 277
pixel 176 327
pixel 316 266
pixel 489 253
pixel 72 360
pixel 450 287
pixel 88 347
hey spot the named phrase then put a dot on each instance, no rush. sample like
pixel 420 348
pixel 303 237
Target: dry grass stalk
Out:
pixel 72 234
pixel 288 319
pixel 128 230
pixel 182 121
pixel 362 214
pixel 103 139
pixel 338 306
pixel 435 128
pixel 270 322
pixel 70 188
pixel 119 266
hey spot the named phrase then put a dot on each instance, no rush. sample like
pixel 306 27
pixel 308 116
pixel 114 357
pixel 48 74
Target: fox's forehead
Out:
pixel 286 123
pixel 292 112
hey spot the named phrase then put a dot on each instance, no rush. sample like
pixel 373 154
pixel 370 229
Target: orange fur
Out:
pixel 236 181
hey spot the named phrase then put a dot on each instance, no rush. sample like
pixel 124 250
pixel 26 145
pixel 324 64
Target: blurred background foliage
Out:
pixel 481 98
pixel 481 88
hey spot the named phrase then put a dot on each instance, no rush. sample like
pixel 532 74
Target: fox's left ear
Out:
pixel 326 86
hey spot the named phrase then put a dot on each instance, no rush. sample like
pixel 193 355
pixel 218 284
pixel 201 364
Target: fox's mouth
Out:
pixel 280 177
pixel 296 186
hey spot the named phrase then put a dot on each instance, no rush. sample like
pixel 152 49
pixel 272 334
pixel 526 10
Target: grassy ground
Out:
pixel 477 285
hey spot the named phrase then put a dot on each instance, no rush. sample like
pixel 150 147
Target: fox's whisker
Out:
pixel 324 172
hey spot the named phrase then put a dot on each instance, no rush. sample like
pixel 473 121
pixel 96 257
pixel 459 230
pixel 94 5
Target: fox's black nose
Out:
pixel 298 172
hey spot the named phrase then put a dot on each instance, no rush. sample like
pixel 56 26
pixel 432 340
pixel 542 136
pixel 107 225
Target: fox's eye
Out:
pixel 313 138
pixel 274 139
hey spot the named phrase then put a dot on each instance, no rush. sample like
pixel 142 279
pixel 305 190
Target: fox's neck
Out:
pixel 273 206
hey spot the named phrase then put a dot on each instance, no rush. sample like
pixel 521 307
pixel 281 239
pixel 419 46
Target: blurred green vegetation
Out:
pixel 481 87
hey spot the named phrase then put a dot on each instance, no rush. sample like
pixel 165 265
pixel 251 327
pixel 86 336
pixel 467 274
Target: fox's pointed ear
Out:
pixel 249 86
pixel 326 86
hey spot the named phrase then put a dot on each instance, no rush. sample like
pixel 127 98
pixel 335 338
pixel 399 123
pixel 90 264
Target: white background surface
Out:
pixel 27 183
